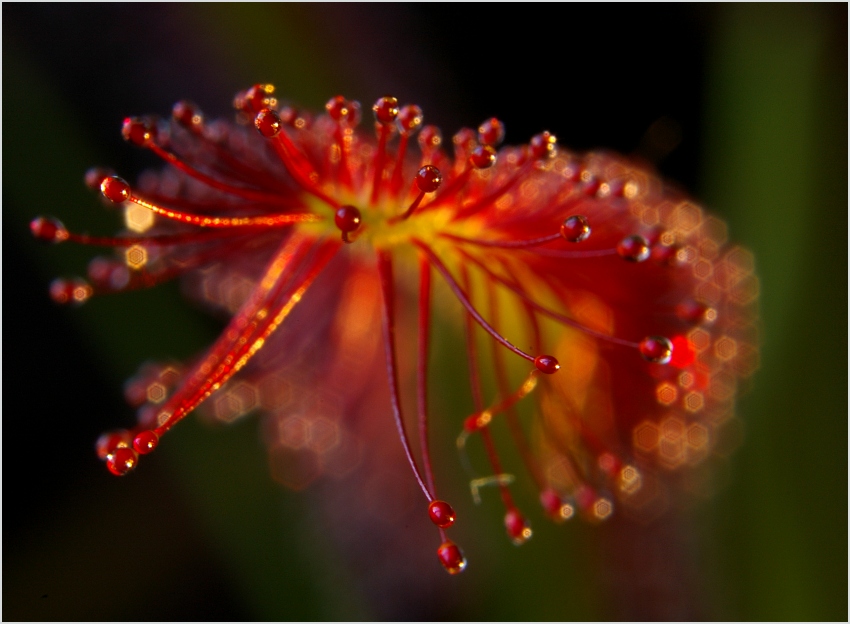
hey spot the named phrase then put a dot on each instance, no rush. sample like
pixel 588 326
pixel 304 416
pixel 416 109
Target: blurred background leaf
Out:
pixel 759 94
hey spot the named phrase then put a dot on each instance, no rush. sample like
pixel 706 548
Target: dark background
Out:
pixel 756 95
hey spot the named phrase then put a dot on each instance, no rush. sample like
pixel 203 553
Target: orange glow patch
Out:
pixel 666 393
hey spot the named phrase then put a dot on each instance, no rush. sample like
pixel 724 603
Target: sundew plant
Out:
pixel 312 234
pixel 448 342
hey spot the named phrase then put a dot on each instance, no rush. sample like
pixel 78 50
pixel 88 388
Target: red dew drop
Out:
pixel 543 145
pixel 430 138
pixel 256 98
pixel 575 229
pixel 187 114
pixel 267 123
pixel 491 132
pixel 302 120
pixel 441 514
pixel 656 349
pixel 428 179
pixel 110 441
pixel 121 461
pixel 138 131
pixel 517 527
pixel 609 464
pixel 145 442
pixel 585 497
pixel 633 249
pixel 465 140
pixel 146 416
pixel 337 107
pixel 346 112
pixel 547 364
pixel 552 504
pixel 239 100
pixel 136 391
pixel 664 254
pixel 62 290
pixel 94 177
pixel 288 115
pixel 386 109
pixel 48 229
pixel 115 189
pixel 409 119
pixel 691 311
pixel 108 273
pixel 451 557
pixel 347 219
pixel 483 157
pixel 66 291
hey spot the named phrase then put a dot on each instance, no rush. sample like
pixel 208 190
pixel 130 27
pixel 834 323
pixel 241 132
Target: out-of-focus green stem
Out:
pixel 776 151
